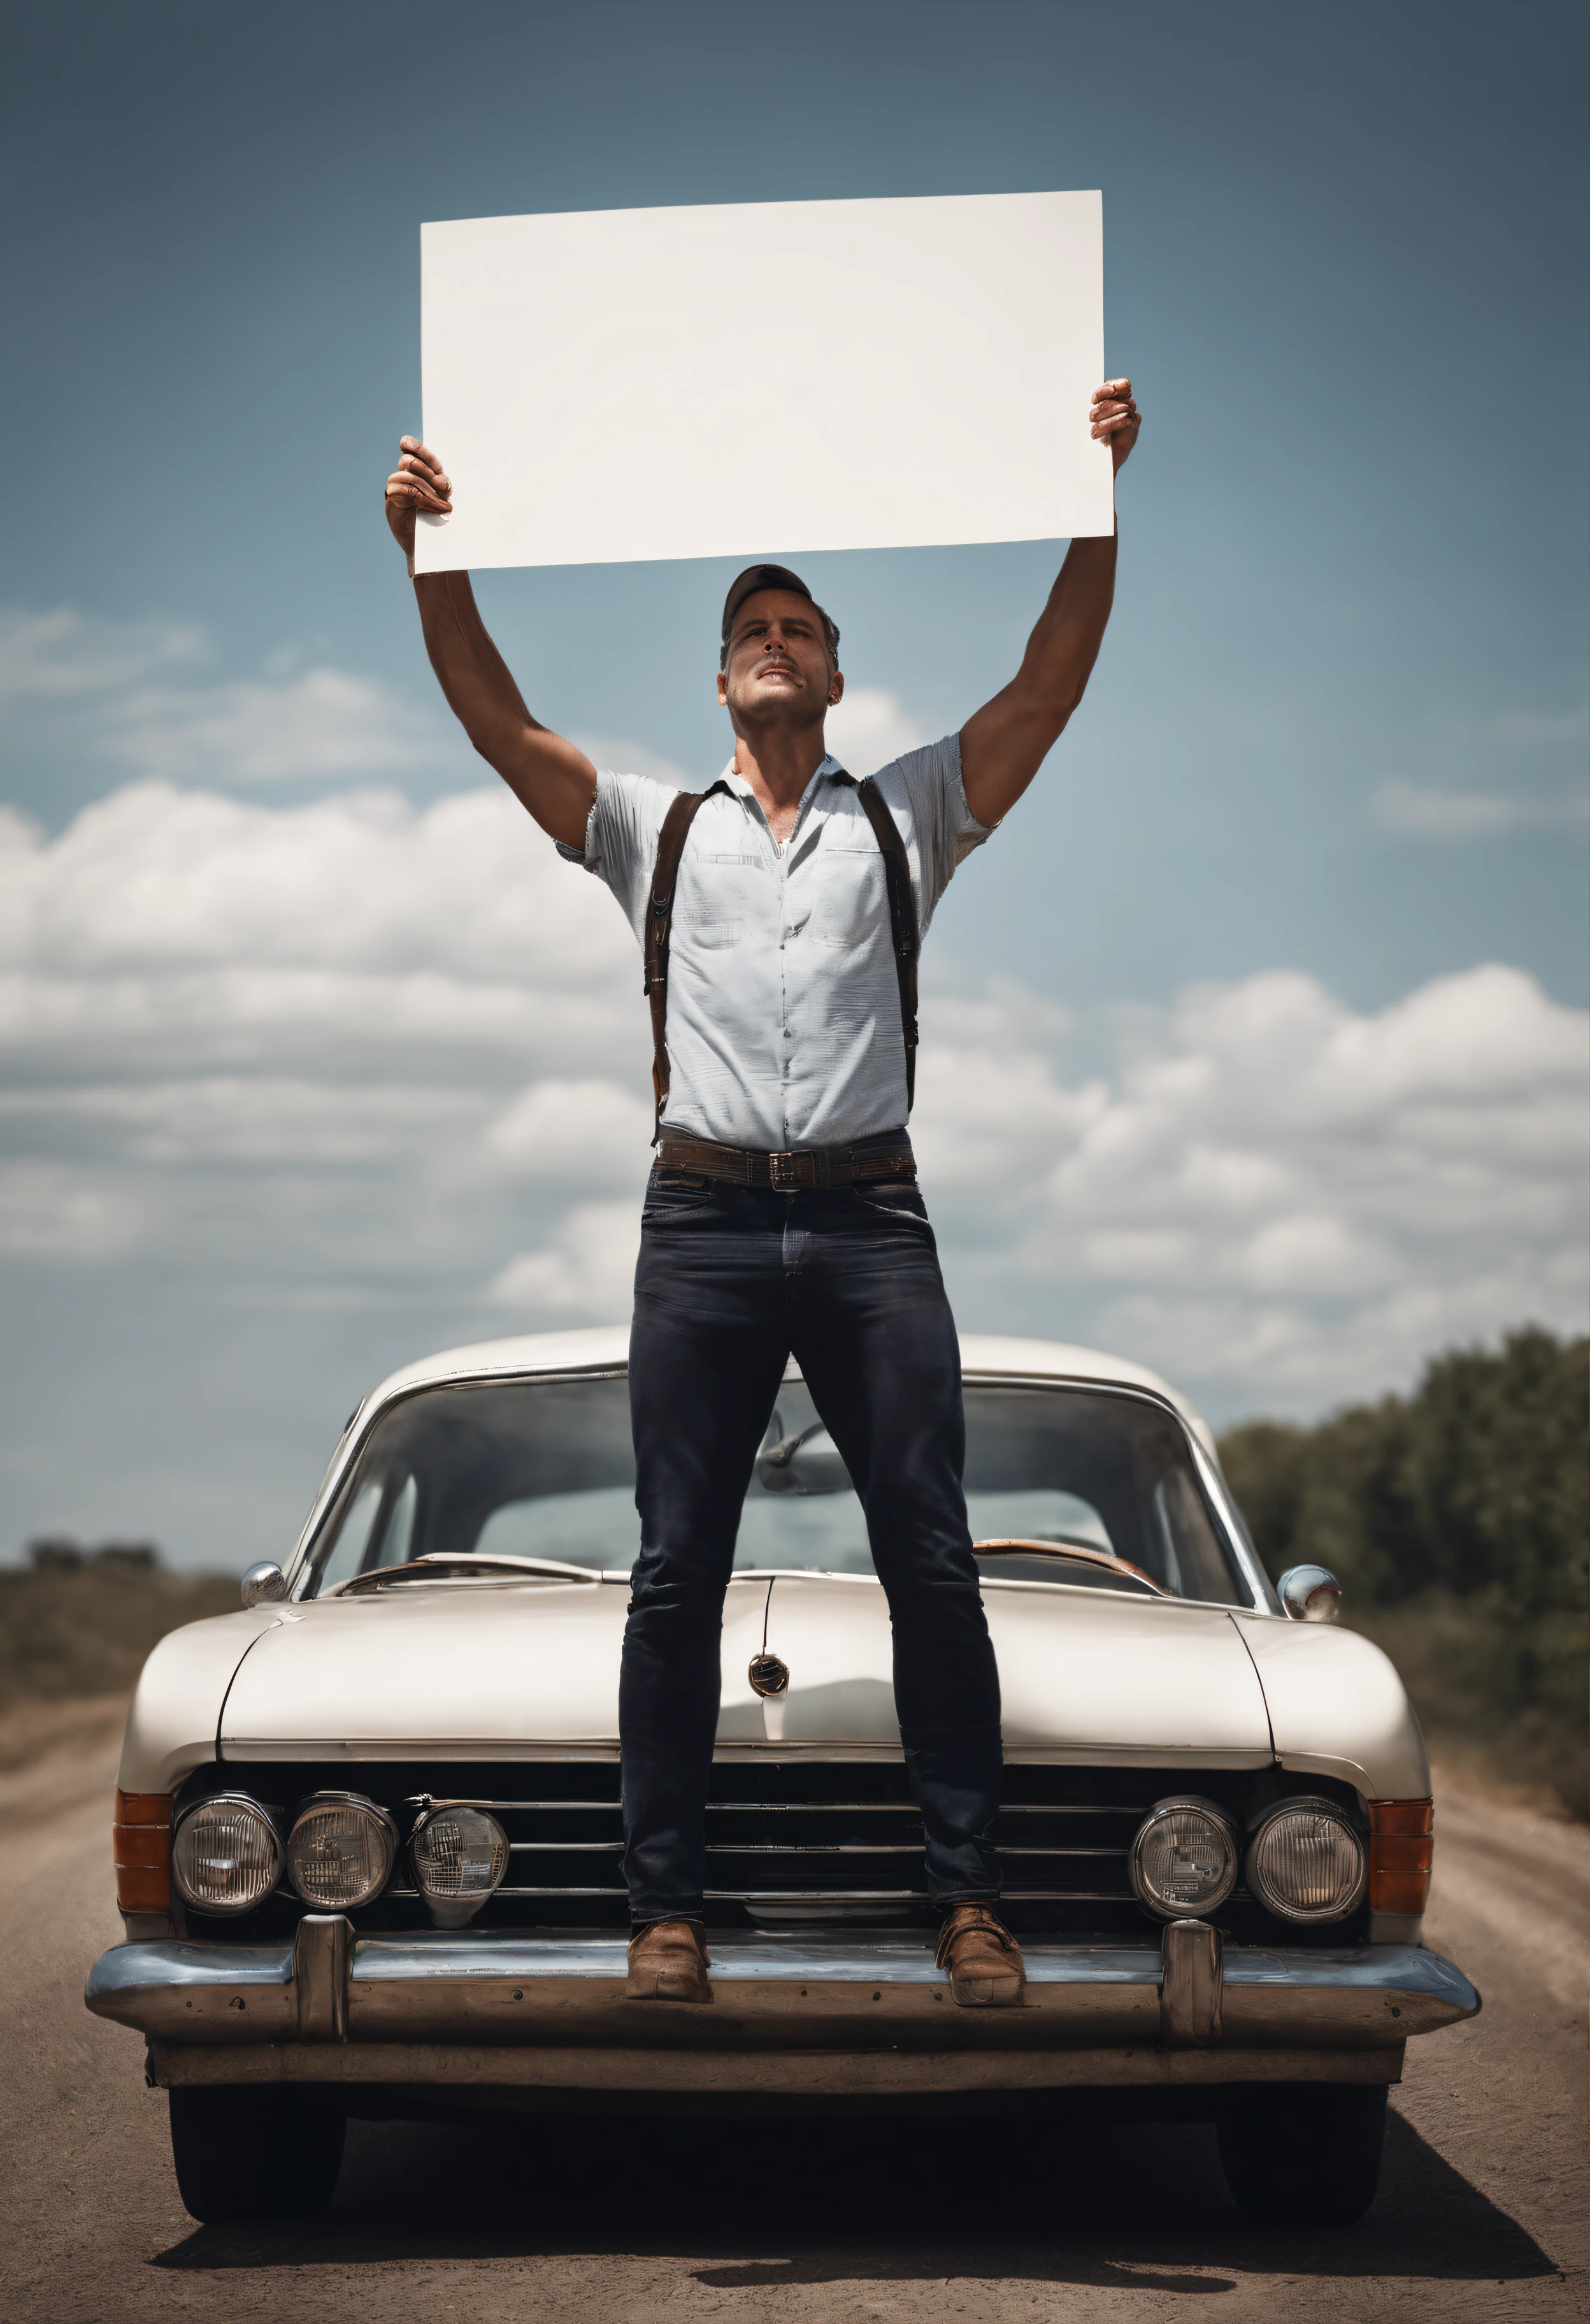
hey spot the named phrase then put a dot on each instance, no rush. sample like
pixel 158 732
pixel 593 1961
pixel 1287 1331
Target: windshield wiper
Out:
pixel 460 1565
pixel 1076 1551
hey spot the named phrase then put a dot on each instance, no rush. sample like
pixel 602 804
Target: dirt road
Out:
pixel 1481 2213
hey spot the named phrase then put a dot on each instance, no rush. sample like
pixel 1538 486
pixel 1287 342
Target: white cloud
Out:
pixel 870 726
pixel 572 1134
pixel 322 725
pixel 1422 811
pixel 353 1019
pixel 136 694
pixel 155 881
pixel 1273 1197
pixel 62 655
pixel 585 1271
pixel 352 1060
pixel 49 1211
pixel 348 1035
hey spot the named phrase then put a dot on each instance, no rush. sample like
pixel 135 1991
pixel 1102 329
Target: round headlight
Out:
pixel 340 1851
pixel 225 1855
pixel 459 1856
pixel 1184 1859
pixel 1306 1862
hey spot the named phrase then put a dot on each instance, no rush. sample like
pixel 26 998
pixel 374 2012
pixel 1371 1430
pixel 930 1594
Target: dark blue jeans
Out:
pixel 731 1281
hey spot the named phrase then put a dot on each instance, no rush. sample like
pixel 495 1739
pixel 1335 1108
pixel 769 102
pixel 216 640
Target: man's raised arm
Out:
pixel 545 771
pixel 1004 744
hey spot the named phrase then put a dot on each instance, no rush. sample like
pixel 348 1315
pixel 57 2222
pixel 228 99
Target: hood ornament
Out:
pixel 767 1673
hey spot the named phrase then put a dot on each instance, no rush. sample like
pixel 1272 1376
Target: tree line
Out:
pixel 1456 1520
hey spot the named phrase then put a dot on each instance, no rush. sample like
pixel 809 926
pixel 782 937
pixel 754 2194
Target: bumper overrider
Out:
pixel 867 2012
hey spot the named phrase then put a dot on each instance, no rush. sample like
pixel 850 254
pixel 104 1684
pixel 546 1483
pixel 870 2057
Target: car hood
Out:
pixel 530 1669
pixel 474 1671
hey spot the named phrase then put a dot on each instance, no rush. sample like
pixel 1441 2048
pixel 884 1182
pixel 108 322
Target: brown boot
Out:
pixel 668 1962
pixel 983 1959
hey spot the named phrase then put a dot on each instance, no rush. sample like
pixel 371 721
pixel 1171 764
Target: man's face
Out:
pixel 778 671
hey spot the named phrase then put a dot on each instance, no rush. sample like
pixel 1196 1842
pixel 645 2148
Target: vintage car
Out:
pixel 367 1836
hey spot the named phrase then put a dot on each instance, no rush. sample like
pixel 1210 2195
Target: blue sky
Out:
pixel 1338 733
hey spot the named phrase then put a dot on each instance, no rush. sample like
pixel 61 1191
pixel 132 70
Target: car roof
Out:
pixel 606 1348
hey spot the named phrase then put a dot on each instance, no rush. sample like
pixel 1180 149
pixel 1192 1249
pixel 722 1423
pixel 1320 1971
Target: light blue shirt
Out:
pixel 784 1003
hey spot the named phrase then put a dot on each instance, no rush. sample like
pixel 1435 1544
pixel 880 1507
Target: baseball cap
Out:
pixel 760 576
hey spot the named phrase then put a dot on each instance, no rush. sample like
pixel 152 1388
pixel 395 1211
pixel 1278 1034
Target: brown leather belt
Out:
pixel 803 1165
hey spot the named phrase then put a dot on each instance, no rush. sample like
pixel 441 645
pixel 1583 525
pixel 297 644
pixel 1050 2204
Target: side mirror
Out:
pixel 264 1582
pixel 1310 1594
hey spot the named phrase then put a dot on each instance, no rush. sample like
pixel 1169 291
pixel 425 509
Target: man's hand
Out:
pixel 418 483
pixel 1114 418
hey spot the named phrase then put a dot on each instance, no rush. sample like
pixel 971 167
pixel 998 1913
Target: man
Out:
pixel 782 1216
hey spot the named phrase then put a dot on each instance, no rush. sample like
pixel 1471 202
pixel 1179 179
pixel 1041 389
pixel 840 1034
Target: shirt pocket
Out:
pixel 848 899
pixel 704 932
pixel 721 899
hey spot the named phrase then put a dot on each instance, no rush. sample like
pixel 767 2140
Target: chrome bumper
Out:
pixel 861 2012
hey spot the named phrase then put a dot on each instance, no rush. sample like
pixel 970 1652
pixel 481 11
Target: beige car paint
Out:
pixel 1338 1707
pixel 1089 1675
pixel 175 1711
pixel 459 1671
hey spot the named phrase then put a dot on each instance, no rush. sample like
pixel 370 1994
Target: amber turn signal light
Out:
pixel 1401 1849
pixel 140 1849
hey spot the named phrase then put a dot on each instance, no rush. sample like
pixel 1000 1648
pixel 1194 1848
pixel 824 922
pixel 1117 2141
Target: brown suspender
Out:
pixel 896 873
pixel 682 812
pixel 670 847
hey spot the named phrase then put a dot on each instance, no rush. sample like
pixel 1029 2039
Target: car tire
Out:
pixel 269 2153
pixel 1302 2154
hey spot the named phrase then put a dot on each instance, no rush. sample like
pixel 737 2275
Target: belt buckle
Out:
pixel 784 1171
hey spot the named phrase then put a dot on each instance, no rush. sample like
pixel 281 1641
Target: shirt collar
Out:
pixel 828 765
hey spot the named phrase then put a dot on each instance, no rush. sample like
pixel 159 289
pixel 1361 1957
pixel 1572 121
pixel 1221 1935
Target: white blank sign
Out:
pixel 762 379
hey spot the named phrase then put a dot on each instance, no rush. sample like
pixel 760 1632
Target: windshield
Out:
pixel 544 1470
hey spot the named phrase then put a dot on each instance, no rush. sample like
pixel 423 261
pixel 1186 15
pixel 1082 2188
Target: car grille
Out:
pixel 828 1834
pixel 789 1838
